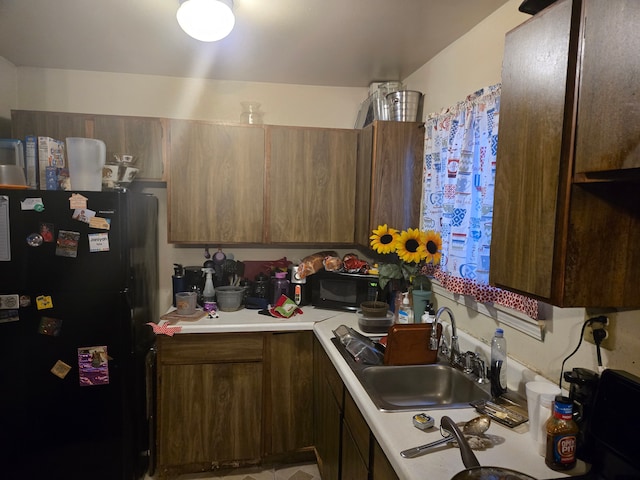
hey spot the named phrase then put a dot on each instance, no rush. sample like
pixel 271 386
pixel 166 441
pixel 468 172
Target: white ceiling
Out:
pixel 347 43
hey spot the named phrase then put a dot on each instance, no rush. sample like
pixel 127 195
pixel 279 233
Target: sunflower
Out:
pixel 433 245
pixel 384 239
pixel 411 245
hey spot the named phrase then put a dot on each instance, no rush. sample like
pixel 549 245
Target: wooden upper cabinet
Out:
pixel 138 136
pixel 389 180
pixel 609 107
pixel 555 237
pixel 311 182
pixel 48 124
pixel 215 187
pixel 142 137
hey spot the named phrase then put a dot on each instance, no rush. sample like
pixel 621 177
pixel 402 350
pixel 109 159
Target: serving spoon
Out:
pixel 475 426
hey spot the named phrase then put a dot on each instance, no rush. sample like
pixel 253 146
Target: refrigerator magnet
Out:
pixel 100 223
pixel 83 215
pixel 32 204
pixel 67 244
pixel 44 302
pixel 46 232
pixel 60 369
pixel 93 366
pixel 98 242
pixel 77 201
pixel 50 326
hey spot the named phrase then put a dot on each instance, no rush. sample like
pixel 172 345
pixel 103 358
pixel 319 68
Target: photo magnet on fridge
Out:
pixel 93 364
pixel 67 244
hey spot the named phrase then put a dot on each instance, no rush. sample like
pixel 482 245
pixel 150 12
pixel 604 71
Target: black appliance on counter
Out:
pixel 76 355
pixel 582 391
pixel 613 428
pixel 343 291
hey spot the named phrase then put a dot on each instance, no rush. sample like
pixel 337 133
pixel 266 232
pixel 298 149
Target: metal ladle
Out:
pixel 475 426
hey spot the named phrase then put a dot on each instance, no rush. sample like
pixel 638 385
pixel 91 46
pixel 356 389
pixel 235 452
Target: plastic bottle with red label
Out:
pixel 562 434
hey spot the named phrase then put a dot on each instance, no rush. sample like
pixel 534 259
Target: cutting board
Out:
pixel 409 344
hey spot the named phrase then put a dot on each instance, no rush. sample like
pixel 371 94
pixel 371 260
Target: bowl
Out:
pixel 374 309
pixel 229 298
pixel 12 176
pixel 375 324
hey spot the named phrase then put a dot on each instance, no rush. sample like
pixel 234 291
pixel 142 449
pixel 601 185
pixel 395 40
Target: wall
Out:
pixel 473 62
pixel 8 95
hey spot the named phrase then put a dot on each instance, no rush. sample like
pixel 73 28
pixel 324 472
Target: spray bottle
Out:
pixel 209 292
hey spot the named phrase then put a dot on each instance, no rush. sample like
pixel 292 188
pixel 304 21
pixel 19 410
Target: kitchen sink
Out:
pixel 411 387
pixel 414 387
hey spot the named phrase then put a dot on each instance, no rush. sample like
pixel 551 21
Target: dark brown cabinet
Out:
pixel 291 393
pixel 389 177
pixel 215 187
pixel 233 399
pixel 209 407
pixel 566 216
pixel 345 447
pixel 142 137
pixel 311 182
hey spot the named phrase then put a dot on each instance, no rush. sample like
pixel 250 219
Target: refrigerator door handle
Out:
pixel 150 377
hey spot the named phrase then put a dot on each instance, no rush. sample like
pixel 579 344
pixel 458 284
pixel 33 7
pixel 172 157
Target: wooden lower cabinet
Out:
pixel 381 468
pixel 345 447
pixel 328 400
pixel 227 400
pixel 291 393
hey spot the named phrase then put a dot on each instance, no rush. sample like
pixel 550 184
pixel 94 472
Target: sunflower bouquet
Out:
pixel 412 247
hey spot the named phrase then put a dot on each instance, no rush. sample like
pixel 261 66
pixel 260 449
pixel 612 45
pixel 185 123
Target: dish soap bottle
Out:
pixel 405 312
pixel 498 364
pixel 209 292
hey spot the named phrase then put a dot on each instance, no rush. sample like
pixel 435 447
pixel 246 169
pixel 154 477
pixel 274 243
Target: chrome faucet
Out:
pixel 454 348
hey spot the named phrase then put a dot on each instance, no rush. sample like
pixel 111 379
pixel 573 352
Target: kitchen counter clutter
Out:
pixel 394 431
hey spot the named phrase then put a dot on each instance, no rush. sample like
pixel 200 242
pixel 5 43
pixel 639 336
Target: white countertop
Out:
pixel 394 430
pixel 246 320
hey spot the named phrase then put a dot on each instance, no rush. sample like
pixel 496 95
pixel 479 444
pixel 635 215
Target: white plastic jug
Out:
pixel 86 157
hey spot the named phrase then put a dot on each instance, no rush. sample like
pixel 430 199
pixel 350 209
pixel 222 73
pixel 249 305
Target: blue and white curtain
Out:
pixel 459 171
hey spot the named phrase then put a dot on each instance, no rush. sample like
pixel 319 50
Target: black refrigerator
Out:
pixel 78 285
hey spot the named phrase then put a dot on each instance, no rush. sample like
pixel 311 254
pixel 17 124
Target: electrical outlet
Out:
pixel 609 342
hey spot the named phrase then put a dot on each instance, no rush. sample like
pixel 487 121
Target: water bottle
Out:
pixel 279 287
pixel 498 364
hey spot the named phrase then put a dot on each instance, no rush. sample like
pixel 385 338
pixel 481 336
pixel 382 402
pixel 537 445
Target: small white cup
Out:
pixel 534 391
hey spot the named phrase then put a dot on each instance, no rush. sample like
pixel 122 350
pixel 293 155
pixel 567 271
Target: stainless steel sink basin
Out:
pixel 414 387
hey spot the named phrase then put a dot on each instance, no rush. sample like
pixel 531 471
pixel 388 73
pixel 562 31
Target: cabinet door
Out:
pixel 609 107
pixel 363 186
pixel 354 466
pixel 532 168
pixel 215 187
pixel 312 185
pixel 291 369
pixel 381 468
pixel 48 124
pixel 396 166
pixel 138 136
pixel 210 415
pixel 327 416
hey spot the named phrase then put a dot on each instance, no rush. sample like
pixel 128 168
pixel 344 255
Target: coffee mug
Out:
pixel 185 303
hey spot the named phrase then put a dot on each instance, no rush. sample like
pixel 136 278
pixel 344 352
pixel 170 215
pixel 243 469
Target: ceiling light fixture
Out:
pixel 206 20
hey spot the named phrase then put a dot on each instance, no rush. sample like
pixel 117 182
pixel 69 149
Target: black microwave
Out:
pixel 343 291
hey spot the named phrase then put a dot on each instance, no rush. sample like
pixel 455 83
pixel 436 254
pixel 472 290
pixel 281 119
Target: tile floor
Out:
pixel 307 471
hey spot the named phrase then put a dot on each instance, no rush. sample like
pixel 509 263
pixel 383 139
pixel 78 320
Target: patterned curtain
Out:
pixel 459 172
